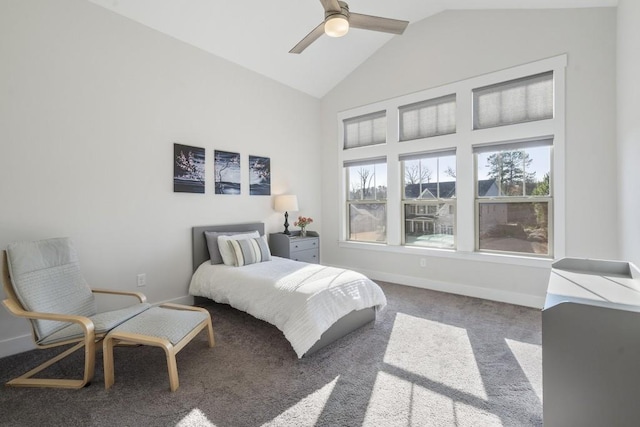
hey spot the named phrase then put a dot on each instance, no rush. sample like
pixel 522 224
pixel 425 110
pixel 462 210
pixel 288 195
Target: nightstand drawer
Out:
pixel 303 244
pixel 308 255
pixel 305 249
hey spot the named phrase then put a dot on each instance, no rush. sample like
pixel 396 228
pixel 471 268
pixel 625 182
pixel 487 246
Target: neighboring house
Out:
pixel 440 217
pixel 487 188
pixel 429 190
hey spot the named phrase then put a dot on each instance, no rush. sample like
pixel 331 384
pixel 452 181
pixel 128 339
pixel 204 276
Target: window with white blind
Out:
pixel 429 199
pixel 514 197
pixel 369 129
pixel 367 200
pixel 428 118
pixel 516 101
pixel 425 179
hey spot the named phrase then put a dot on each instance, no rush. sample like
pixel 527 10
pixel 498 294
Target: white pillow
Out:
pixel 228 256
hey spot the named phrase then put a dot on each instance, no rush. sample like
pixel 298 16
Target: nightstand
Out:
pixel 292 246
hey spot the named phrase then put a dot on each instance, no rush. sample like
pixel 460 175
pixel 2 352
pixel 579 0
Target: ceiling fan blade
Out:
pixel 330 5
pixel 376 23
pixel 308 39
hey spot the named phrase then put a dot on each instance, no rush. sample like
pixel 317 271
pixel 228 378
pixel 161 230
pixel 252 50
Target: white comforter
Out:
pixel 302 300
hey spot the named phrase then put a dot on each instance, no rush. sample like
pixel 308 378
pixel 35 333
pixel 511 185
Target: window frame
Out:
pixel 478 91
pixel 463 141
pixel 417 106
pixel 486 200
pixel 372 116
pixel 354 202
pixel 513 200
pixel 451 201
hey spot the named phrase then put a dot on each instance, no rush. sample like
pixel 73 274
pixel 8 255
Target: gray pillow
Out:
pixel 212 243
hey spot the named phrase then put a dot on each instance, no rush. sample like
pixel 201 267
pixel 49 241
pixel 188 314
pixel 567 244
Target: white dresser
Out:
pixel 591 344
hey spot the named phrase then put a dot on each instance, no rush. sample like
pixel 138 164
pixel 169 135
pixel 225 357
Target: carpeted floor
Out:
pixel 430 359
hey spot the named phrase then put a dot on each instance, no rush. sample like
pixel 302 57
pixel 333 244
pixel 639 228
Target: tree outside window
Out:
pixel 514 198
pixel 367 202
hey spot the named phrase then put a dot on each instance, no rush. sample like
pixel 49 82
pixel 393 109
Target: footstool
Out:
pixel 170 326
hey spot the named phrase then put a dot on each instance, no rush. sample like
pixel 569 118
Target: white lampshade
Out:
pixel 336 26
pixel 286 203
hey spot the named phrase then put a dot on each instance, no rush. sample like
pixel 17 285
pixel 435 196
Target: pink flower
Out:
pixel 302 221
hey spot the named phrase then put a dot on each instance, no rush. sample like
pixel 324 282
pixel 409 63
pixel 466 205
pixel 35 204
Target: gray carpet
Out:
pixel 430 359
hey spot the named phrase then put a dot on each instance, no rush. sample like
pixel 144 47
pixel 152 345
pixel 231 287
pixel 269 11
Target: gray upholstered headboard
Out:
pixel 199 250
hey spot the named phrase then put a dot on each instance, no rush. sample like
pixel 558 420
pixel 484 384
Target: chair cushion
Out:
pixel 46 278
pixel 103 323
pixel 170 324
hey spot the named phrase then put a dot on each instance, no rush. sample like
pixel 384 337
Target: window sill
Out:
pixel 506 259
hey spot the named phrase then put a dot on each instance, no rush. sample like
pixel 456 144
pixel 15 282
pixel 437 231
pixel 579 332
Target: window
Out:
pixel 428 200
pixel 465 170
pixel 367 200
pixel 515 101
pixel 513 197
pixel 361 131
pixel 428 118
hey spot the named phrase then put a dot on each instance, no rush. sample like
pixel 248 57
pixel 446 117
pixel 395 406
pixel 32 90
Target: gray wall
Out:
pixel 456 45
pixel 90 105
pixel 629 127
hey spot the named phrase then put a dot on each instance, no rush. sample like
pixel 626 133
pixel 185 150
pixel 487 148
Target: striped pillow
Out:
pixel 250 251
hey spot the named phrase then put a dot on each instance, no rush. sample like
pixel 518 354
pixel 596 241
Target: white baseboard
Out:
pixel 22 343
pixel 185 299
pixel 15 345
pixel 499 295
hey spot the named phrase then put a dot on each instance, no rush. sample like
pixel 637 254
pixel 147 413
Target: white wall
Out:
pixel 628 68
pixel 90 105
pixel 461 44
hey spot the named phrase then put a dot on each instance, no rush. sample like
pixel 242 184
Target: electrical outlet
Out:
pixel 142 279
pixel 423 262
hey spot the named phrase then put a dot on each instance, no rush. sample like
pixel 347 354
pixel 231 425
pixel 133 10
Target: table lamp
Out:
pixel 285 203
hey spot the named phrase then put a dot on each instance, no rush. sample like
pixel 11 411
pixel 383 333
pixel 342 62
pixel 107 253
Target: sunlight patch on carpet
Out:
pixel 309 407
pixel 399 402
pixel 469 416
pixel 438 352
pixel 529 357
pixel 195 418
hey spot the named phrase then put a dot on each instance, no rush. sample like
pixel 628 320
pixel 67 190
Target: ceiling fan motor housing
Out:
pixel 344 11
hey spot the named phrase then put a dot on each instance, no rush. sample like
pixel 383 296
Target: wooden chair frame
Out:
pixel 114 338
pixel 89 341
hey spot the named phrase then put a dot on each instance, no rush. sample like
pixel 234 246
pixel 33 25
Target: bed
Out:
pixel 313 305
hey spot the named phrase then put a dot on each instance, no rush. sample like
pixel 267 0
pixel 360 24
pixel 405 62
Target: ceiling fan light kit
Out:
pixel 336 24
pixel 338 19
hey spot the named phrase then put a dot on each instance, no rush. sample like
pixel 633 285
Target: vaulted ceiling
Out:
pixel 258 34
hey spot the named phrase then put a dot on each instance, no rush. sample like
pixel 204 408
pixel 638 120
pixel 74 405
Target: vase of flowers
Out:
pixel 302 222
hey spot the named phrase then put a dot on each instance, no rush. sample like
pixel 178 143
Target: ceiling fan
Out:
pixel 338 19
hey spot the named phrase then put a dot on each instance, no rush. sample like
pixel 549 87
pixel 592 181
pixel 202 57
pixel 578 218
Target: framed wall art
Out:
pixel 259 176
pixel 188 169
pixel 226 167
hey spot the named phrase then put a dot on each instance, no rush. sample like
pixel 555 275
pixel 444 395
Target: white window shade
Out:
pixel 428 118
pixel 426 155
pixel 370 129
pixel 516 101
pixel 365 162
pixel 514 145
